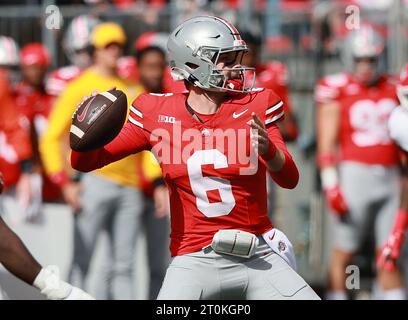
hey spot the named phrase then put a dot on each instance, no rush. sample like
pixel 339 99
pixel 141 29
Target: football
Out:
pixel 98 120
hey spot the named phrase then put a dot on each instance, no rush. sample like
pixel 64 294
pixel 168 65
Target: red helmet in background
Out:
pixel 402 87
pixel 35 53
pixel 151 39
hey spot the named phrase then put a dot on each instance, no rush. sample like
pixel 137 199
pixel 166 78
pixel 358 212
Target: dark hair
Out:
pixel 141 53
pixel 251 38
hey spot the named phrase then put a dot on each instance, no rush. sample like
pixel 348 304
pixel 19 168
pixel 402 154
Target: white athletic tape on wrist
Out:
pixel 49 283
pixel 235 242
pixel 329 177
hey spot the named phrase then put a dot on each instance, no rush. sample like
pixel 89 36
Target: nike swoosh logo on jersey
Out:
pixel 237 115
pixel 81 117
pixel 273 236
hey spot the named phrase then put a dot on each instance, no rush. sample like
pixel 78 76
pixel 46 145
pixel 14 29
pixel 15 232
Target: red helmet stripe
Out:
pixel 234 30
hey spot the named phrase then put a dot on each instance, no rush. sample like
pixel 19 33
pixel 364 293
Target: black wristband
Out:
pixel 26 166
pixel 77 176
pixel 158 182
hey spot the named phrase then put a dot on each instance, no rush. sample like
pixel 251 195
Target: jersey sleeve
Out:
pixel 288 176
pixel 58 79
pixel 140 112
pixel 274 111
pixel 326 91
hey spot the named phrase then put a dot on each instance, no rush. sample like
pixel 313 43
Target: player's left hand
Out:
pixel 259 136
pixel 389 254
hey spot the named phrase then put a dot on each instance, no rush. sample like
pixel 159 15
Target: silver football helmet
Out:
pixel 78 37
pixel 9 52
pixel 363 43
pixel 195 47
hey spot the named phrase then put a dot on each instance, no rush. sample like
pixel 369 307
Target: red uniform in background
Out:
pixel 207 190
pixel 36 105
pixel 14 137
pixel 274 75
pixel 363 132
pixel 58 79
pixel 127 69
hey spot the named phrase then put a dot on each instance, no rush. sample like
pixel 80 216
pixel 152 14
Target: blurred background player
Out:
pixel 128 66
pixel 35 104
pixel 110 199
pixel 398 127
pixel 15 147
pixel 357 158
pixel 18 260
pixel 76 44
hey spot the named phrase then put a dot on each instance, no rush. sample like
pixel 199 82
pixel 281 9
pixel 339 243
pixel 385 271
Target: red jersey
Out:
pixel 58 79
pixel 14 137
pixel 127 68
pixel 34 104
pixel 274 75
pixel 364 113
pixel 211 187
pixel 36 107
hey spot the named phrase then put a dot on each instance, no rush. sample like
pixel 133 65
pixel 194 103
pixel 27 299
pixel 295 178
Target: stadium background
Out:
pixel 306 35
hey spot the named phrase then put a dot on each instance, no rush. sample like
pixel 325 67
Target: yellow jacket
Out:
pixel 54 140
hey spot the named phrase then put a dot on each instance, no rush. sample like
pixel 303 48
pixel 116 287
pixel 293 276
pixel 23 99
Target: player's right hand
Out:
pixel 84 98
pixel 389 254
pixel 335 200
pixel 49 283
pixel 71 193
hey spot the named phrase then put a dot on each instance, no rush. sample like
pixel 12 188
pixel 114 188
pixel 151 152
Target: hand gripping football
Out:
pixel 98 120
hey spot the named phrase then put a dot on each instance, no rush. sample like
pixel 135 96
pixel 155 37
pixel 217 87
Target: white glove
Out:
pixel 49 283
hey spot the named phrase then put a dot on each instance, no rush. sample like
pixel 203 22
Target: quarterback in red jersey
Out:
pixel 352 133
pixel 208 142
